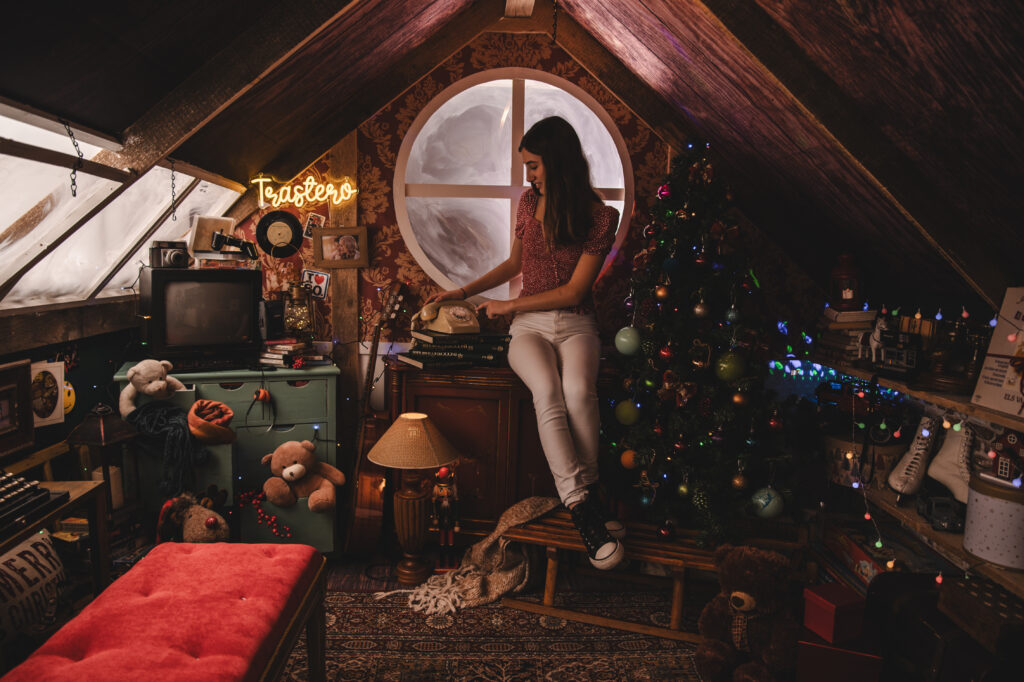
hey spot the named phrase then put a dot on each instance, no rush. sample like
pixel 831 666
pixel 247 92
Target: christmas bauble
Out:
pixel 767 502
pixel 648 383
pixel 667 530
pixel 647 497
pixel 732 315
pixel 664 192
pixel 69 397
pixel 649 230
pixel 661 292
pixel 739 482
pixel 627 384
pixel 657 430
pixel 627 413
pixel 739 398
pixel 683 489
pixel 775 424
pixel 628 459
pixel 627 340
pixel 667 353
pixel 730 366
pixel 628 303
pixel 700 310
pixel 679 446
pixel 700 500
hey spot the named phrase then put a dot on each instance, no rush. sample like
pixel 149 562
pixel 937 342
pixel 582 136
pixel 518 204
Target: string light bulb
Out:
pixel 963 313
pixel 890 564
pixel 1012 337
pixel 917 315
pixel 938 314
pixel 958 426
pixel 994 321
pixel 946 423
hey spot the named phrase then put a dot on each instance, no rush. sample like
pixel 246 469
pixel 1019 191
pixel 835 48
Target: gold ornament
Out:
pixel 661 292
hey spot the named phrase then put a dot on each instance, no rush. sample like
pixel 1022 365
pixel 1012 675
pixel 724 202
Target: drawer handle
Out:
pixel 231 386
pixel 298 383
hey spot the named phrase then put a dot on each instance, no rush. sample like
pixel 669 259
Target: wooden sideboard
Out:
pixel 487 414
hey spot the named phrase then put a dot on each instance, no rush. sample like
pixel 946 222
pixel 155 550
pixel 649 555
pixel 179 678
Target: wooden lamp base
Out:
pixel 412 508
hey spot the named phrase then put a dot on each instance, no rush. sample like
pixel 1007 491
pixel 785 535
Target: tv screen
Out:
pixel 208 313
pixel 198 314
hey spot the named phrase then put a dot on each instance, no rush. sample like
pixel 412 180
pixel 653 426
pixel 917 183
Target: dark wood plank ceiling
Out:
pixel 887 128
pixel 102 65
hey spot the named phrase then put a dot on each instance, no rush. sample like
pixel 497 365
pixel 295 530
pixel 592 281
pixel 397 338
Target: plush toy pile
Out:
pixel 749 632
pixel 298 473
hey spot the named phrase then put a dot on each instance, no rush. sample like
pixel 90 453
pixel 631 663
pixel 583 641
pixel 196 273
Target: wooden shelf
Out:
pixel 959 403
pixel 949 545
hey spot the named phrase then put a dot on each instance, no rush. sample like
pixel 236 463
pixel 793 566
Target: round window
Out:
pixel 459 173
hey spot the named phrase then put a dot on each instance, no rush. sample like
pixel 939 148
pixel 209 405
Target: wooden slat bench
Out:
pixel 555 531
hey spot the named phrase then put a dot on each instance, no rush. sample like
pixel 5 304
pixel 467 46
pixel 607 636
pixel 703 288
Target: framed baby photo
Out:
pixel 16 420
pixel 342 247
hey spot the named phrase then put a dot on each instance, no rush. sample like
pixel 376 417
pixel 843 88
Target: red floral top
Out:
pixel 544 270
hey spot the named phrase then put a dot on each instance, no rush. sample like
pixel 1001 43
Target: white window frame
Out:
pixel 516 184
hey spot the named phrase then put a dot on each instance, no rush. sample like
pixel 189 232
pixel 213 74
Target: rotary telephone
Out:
pixel 447 317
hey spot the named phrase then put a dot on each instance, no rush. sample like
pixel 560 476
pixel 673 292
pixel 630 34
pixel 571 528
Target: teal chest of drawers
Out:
pixel 302 406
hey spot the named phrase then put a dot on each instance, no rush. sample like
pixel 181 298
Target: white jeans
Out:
pixel 566 401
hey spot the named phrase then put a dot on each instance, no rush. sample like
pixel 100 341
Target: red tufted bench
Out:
pixel 194 612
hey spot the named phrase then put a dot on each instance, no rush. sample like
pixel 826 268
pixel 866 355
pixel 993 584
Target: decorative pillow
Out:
pixel 31 578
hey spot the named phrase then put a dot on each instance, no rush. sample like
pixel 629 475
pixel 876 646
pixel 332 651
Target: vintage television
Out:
pixel 201 319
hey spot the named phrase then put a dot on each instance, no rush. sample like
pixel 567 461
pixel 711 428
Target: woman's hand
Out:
pixel 450 295
pixel 495 309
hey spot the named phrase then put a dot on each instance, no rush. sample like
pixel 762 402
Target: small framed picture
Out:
pixel 314 221
pixel 343 247
pixel 319 283
pixel 47 389
pixel 16 419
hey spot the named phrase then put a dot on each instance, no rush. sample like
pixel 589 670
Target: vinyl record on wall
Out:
pixel 279 234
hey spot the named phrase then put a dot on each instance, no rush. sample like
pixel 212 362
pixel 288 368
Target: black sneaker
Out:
pixel 614 526
pixel 605 552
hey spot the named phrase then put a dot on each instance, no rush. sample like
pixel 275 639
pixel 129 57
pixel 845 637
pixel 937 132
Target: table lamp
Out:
pixel 101 429
pixel 412 444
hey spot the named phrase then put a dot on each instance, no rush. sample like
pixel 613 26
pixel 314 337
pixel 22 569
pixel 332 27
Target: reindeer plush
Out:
pixel 874 341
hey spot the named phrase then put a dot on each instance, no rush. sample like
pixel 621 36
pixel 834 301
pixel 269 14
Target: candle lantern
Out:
pixel 845 291
pixel 299 320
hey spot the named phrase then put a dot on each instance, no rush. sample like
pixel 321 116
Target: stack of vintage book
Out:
pixel 839 338
pixel 452 351
pixel 286 352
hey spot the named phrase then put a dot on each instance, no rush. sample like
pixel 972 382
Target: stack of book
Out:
pixel 841 331
pixel 285 353
pixel 452 351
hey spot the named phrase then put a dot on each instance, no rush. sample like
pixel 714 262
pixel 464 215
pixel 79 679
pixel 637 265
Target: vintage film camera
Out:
pixel 219 240
pixel 168 255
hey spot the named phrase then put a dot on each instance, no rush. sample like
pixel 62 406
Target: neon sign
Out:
pixel 309 191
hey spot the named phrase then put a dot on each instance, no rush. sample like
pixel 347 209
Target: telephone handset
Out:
pixel 448 317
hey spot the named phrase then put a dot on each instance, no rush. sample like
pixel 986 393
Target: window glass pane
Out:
pixel 37 137
pixel 479 228
pixel 543 100
pixel 51 212
pixel 87 255
pixel 206 199
pixel 468 140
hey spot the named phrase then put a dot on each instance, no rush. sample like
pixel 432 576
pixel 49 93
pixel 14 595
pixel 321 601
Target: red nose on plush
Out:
pixel 211 521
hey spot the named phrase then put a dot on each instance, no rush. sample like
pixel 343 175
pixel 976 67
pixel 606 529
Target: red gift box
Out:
pixel 834 612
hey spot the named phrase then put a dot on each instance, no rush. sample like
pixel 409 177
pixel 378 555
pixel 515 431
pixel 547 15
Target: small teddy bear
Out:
pixel 149 378
pixel 183 519
pixel 298 473
pixel 748 631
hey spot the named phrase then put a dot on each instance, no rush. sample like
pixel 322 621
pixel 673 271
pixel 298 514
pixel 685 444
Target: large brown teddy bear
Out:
pixel 298 473
pixel 749 633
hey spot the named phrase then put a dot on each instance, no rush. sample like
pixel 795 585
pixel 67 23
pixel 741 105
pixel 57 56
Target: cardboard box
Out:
pixel 1001 382
pixel 834 612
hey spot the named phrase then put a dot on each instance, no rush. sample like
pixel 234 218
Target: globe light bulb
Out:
pixel 992 454
pixel 1012 338
pixel 917 315
pixel 993 322
pixel 925 432
pixel 938 314
pixel 964 314
pixel 946 423
pixel 878 543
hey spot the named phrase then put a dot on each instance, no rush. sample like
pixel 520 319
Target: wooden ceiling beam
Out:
pixel 367 101
pixel 249 58
pixel 894 175
pixel 518 8
pixel 53 158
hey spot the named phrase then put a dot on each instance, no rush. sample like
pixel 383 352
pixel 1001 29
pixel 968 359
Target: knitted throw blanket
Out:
pixel 166 437
pixel 491 568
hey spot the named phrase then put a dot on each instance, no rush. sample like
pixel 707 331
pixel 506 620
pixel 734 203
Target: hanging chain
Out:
pixel 78 163
pixel 174 198
pixel 554 24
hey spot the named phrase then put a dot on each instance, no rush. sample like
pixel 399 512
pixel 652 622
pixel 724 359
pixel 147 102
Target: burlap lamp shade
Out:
pixel 412 443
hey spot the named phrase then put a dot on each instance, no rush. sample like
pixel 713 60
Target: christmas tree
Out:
pixel 693 435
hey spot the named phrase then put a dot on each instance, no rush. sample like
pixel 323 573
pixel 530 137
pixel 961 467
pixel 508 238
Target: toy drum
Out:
pixel 995 523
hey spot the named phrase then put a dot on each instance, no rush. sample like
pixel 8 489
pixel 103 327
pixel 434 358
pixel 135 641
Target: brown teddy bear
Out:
pixel 749 633
pixel 150 378
pixel 298 473
pixel 183 519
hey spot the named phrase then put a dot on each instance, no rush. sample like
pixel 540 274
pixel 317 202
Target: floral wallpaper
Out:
pixel 379 139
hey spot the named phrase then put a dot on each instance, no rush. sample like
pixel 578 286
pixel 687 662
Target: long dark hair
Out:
pixel 569 196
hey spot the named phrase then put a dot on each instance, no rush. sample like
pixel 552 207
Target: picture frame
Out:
pixel 16 418
pixel 314 223
pixel 342 247
pixel 46 388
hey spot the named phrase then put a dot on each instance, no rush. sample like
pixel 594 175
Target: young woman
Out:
pixel 563 233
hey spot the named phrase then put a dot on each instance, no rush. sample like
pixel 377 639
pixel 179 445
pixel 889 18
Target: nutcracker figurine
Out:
pixel 446 517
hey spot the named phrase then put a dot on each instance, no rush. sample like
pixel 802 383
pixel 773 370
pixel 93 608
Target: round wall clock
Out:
pixel 279 234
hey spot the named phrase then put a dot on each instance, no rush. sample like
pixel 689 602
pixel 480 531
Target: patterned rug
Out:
pixel 371 639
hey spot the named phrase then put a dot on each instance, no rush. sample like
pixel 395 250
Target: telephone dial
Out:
pixel 447 317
